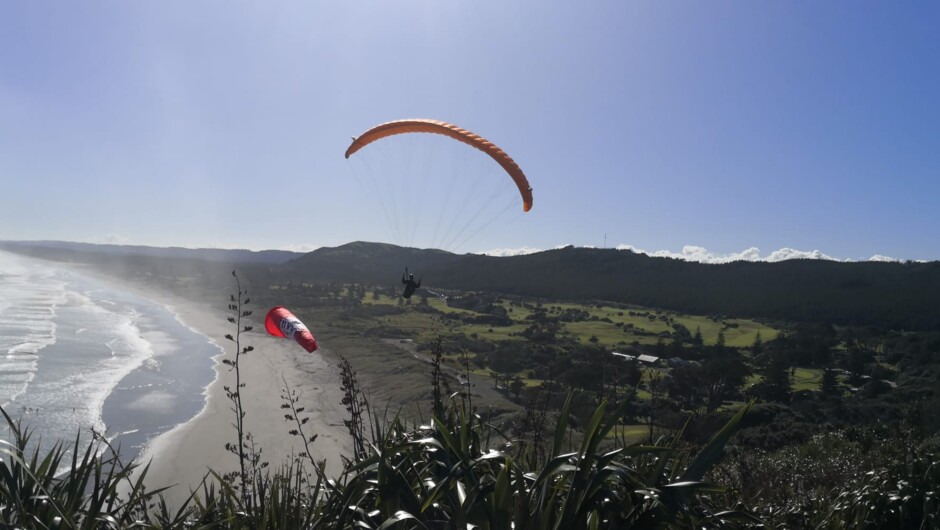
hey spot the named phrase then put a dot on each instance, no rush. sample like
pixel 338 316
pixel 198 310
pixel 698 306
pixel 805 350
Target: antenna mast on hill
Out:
pixel 605 240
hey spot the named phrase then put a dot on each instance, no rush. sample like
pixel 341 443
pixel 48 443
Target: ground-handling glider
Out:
pixel 282 323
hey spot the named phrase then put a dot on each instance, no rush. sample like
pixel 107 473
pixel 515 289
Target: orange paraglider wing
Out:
pixel 461 135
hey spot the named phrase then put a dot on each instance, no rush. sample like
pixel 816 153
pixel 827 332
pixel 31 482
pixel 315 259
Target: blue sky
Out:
pixel 722 125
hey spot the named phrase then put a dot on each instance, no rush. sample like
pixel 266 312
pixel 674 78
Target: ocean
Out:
pixel 78 354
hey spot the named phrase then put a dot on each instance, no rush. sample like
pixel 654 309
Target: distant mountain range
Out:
pixel 208 254
pixel 883 294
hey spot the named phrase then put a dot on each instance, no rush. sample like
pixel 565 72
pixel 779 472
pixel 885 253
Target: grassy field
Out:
pixel 806 379
pixel 800 379
pixel 610 326
pixel 393 373
pixel 634 434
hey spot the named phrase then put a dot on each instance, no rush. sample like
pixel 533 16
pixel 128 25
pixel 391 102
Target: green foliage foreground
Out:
pixel 458 472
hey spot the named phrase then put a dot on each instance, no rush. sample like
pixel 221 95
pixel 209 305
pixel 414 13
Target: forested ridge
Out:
pixel 831 386
pixel 887 295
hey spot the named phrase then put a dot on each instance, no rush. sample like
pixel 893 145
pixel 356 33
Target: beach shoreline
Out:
pixel 180 458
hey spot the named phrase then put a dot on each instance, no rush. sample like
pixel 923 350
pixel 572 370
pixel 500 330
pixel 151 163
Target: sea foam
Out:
pixel 77 354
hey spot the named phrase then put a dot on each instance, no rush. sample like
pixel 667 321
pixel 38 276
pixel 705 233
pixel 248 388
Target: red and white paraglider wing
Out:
pixel 280 322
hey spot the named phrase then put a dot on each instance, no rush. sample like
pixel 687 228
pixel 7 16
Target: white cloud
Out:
pixel 699 254
pixel 300 248
pixel 703 255
pixel 789 253
pixel 111 239
pixel 506 252
pixel 879 257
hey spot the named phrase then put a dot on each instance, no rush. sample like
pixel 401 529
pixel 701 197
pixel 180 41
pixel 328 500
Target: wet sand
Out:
pixel 181 457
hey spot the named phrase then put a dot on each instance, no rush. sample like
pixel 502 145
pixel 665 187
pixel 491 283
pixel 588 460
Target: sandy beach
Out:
pixel 181 457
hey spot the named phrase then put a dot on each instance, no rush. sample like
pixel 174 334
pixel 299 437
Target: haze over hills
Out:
pixel 898 295
pixel 208 254
pixel 704 255
pixel 687 253
pixel 883 294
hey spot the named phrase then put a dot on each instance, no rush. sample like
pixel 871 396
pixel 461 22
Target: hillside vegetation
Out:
pixel 900 296
pixel 597 411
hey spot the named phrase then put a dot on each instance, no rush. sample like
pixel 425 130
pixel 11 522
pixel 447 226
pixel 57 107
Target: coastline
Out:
pixel 180 458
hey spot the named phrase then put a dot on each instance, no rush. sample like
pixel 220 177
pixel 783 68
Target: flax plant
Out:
pixel 249 455
pixel 52 490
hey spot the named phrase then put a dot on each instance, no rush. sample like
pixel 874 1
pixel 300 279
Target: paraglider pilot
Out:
pixel 410 284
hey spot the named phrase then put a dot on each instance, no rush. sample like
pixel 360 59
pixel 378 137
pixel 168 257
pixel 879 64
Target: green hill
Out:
pixel 900 296
pixel 887 295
